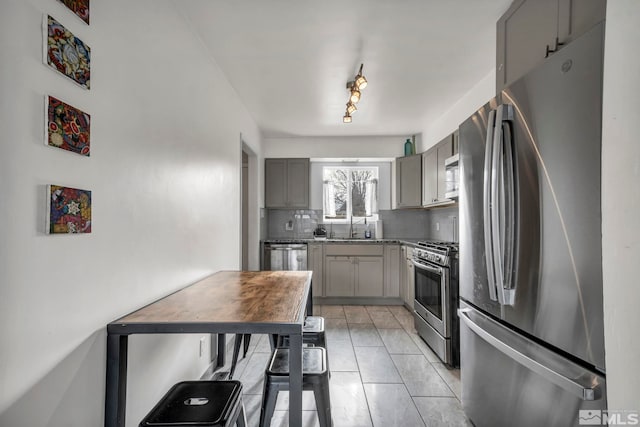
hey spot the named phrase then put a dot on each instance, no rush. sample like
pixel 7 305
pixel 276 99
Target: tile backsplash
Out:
pixel 435 224
pixel 292 224
pixel 442 224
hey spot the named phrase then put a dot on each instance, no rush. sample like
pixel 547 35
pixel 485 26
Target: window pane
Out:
pixel 340 198
pixel 338 185
pixel 359 187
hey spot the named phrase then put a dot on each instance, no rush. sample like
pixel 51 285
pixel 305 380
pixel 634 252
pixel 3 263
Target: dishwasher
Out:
pixel 285 256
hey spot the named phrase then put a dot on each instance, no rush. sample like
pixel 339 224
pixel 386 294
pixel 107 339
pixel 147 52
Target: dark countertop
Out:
pixel 398 240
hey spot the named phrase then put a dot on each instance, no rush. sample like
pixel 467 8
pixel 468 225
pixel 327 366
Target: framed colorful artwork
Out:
pixel 67 127
pixel 68 210
pixel 66 53
pixel 79 7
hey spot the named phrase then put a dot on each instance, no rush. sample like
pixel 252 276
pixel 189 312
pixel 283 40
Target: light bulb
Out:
pixel 361 82
pixel 355 95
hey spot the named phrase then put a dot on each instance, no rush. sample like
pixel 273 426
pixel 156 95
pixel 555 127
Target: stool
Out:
pixel 199 403
pixel 315 376
pixel 312 333
pixel 239 338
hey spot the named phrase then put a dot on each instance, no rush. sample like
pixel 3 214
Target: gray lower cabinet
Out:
pixel 408 181
pixel 368 276
pixel 391 270
pixel 286 183
pixel 403 272
pixel 315 263
pixel 349 276
pixel 339 274
pixel 410 284
pixel 353 270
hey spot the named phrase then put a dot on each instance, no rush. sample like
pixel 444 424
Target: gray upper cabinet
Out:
pixel 286 183
pixel 433 172
pixel 456 142
pixel 576 17
pixel 430 176
pixel 532 29
pixel 408 181
pixel 445 150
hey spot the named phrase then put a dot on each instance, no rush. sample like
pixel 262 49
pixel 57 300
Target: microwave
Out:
pixel 452 176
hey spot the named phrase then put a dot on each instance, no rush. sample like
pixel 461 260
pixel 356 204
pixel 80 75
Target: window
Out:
pixel 350 193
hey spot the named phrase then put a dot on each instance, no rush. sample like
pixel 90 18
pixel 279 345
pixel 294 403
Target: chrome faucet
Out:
pixel 353 233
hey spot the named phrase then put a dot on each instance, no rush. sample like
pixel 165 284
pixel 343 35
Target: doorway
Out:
pixel 245 211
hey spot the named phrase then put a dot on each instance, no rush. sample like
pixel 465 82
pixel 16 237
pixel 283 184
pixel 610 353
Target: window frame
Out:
pixel 350 217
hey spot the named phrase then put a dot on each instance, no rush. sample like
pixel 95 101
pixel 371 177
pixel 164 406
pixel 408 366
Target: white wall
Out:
pixel 336 147
pixel 475 98
pixel 165 173
pixel 621 203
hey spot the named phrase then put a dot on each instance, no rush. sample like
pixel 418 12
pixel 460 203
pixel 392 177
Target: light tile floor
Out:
pixel 382 374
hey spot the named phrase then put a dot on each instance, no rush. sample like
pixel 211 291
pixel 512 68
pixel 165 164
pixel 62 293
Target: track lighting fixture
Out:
pixel 354 87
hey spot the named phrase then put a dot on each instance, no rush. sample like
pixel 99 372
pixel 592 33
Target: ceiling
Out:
pixel 289 60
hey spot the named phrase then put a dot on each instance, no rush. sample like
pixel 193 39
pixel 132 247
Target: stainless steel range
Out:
pixel 436 298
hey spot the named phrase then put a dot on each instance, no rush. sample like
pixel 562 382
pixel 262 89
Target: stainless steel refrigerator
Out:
pixel 532 340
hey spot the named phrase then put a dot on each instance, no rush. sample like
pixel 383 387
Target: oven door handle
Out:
pixel 427 267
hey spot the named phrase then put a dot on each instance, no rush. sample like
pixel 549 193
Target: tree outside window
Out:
pixel 350 193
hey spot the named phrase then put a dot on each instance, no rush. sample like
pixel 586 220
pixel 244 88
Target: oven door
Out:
pixel 432 294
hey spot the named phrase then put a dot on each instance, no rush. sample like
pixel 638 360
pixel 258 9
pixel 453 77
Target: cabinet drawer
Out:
pixel 354 250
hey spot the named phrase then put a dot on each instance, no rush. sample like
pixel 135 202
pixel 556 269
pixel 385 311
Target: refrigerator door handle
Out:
pixel 502 201
pixel 486 203
pixel 496 163
pixel 584 391
pixel 509 225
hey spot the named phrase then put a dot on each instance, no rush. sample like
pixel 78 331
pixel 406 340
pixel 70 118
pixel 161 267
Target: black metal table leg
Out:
pixel 116 387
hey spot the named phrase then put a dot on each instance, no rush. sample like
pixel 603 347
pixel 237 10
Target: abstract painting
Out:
pixel 67 127
pixel 67 53
pixel 68 210
pixel 79 7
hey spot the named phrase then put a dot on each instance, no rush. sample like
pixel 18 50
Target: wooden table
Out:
pixel 258 302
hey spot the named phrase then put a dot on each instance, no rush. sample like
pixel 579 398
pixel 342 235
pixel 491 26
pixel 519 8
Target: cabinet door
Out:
pixel 391 270
pixel 339 276
pixel 445 150
pixel 316 264
pixel 408 182
pixel 430 176
pixel 523 33
pixel 410 284
pixel 403 273
pixel 275 183
pixel 298 183
pixel 576 17
pixel 456 142
pixel 369 279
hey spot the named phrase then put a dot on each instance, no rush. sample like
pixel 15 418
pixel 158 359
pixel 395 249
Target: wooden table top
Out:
pixel 231 297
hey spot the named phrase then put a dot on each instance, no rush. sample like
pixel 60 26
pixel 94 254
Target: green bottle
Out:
pixel 408 148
